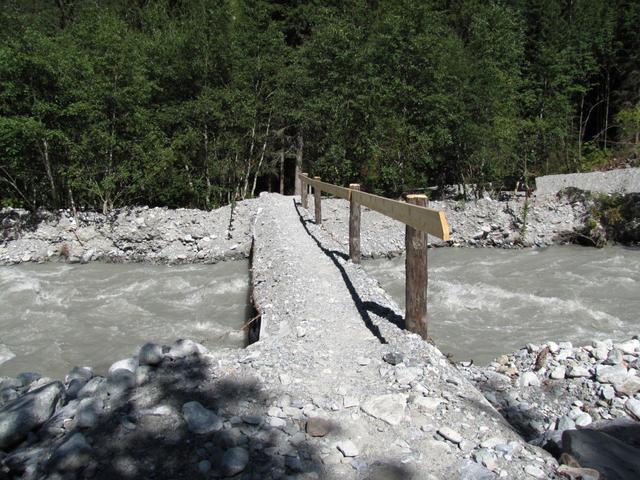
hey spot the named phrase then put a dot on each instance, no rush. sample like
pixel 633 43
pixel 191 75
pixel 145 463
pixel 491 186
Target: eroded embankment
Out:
pixel 152 235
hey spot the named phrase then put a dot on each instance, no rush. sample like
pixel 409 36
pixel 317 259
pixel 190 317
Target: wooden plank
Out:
pixel 416 275
pixel 421 218
pixel 354 227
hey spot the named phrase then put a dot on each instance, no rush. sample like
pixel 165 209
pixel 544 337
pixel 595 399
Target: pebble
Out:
pixel 450 434
pixel 529 379
pixel 234 461
pixel 558 373
pixel 199 419
pixel 348 448
pixel 393 358
pixel 633 407
pixel 150 354
pixel 534 471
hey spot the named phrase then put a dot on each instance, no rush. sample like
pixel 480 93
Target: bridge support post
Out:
pixel 354 227
pixel 304 190
pixel 416 275
pixel 316 200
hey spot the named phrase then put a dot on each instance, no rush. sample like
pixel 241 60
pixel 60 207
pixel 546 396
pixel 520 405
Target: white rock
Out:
pixel 534 471
pixel 529 379
pixel 428 404
pixel 583 420
pixel 388 408
pixel 130 364
pixel 577 371
pixel 611 373
pixel 348 448
pixel 559 372
pixel 629 347
pixel 450 434
pixel 633 407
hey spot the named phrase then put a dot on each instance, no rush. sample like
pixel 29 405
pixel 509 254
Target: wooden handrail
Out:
pixel 419 221
pixel 421 218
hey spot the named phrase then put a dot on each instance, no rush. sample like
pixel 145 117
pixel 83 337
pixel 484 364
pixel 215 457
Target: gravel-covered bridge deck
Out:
pixel 332 338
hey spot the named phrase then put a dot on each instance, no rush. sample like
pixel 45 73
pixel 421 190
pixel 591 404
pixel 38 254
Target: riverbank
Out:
pixel 141 234
pixel 159 235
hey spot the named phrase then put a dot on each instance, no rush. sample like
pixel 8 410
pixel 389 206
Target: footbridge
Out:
pixel 391 404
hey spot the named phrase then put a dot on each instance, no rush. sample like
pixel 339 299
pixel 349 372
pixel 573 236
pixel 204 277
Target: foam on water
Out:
pixel 56 316
pixel 485 302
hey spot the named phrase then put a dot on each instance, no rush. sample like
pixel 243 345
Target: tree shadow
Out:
pixel 364 307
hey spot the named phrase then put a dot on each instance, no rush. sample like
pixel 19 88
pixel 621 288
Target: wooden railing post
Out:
pixel 304 190
pixel 354 227
pixel 416 275
pixel 316 200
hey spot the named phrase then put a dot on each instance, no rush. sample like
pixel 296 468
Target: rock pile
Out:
pixel 570 399
pixel 155 235
pixel 481 223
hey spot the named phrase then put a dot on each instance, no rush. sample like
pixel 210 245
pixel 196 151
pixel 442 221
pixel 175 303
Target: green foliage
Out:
pixel 178 103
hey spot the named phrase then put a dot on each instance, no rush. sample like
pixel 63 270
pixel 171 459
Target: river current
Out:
pixel 55 316
pixel 486 302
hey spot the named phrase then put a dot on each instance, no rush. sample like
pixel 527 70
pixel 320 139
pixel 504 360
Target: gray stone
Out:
pixel 629 387
pixel 348 448
pixel 578 371
pixel 450 434
pixel 614 357
pixel 204 466
pixel 565 423
pixel 534 471
pixel 529 379
pixel 88 410
pixel 558 373
pixel 611 373
pixel 469 470
pixel 27 378
pixel 427 404
pixel 71 455
pixel 79 373
pixel 129 364
pixel 607 392
pixel 234 461
pixel 388 408
pixel 28 412
pixel 183 348
pixel 633 407
pixel 393 358
pixel 602 452
pixel 150 354
pixel 629 347
pixel 199 419
pixel 583 420
pixel 91 388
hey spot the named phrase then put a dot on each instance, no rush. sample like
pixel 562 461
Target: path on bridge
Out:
pixel 326 327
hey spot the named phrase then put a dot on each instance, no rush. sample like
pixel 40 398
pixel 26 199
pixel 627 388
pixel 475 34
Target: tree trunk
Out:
pixel 47 167
pixel 282 172
pixel 299 151
pixel 207 195
pixel 264 149
pixel 248 172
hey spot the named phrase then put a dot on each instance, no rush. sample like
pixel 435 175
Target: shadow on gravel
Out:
pixel 144 435
pixel 364 308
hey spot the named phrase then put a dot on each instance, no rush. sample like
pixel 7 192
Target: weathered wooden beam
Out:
pixel 416 275
pixel 354 227
pixel 317 202
pixel 304 189
pixel 334 190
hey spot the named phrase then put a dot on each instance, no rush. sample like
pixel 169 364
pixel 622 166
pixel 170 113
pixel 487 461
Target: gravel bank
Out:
pixel 154 235
pixel 540 221
pixel 625 180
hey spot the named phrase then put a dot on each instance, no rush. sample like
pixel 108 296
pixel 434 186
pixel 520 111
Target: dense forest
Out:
pixel 197 103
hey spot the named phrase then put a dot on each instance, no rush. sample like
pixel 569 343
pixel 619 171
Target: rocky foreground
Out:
pixel 580 403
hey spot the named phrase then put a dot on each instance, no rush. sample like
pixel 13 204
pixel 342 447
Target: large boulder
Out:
pixel 602 452
pixel 27 413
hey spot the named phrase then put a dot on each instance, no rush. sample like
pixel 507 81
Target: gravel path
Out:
pixel 328 338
